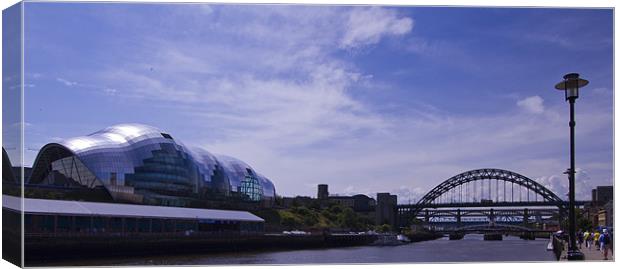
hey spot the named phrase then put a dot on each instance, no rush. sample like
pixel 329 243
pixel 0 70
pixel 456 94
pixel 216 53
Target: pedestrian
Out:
pixel 605 240
pixel 580 238
pixel 586 237
pixel 596 237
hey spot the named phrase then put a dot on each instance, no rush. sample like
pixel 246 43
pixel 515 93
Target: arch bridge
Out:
pixel 486 190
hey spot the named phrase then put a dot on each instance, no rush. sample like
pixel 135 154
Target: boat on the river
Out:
pixel 391 240
pixel 403 238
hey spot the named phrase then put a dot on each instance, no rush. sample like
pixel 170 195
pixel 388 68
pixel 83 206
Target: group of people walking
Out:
pixel 602 241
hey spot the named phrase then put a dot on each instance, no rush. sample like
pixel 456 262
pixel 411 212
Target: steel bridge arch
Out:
pixel 488 173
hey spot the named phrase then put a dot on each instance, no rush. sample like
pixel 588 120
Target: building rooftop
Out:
pixel 44 206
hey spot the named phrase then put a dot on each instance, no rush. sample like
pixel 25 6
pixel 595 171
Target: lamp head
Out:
pixel 571 85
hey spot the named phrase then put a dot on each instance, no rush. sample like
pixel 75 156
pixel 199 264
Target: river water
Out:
pixel 472 248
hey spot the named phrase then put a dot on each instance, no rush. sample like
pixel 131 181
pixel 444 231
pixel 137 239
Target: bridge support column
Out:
pixel 427 217
pixel 526 216
pixel 458 217
pixel 492 217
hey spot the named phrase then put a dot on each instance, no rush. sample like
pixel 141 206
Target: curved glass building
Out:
pixel 140 164
pixel 7 168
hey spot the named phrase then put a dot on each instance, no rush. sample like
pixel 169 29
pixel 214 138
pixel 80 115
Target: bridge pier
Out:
pixel 456 236
pixel 493 237
pixel 458 217
pixel 526 217
pixel 528 236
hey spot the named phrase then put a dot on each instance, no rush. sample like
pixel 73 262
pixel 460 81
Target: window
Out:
pixel 251 188
pixel 112 178
pixel 64 223
pixel 99 224
pixel 82 224
pixel 156 226
pixel 144 225
pixel 116 225
pixel 130 225
pixel 29 223
pixel 168 226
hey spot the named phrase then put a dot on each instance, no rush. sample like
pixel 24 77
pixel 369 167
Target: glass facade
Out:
pixel 141 164
pixel 7 169
pixel 251 188
pixel 237 171
pixel 69 171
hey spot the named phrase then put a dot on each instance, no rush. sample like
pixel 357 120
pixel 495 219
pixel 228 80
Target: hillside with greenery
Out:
pixel 315 218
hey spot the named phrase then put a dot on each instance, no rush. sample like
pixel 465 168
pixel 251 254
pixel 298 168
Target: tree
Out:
pixel 348 219
pixel 384 228
pixel 336 209
pixel 290 222
pixel 582 222
pixel 310 220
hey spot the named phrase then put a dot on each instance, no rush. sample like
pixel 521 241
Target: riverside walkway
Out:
pixel 591 254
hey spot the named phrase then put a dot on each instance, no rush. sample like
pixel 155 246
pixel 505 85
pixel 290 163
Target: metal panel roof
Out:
pixel 123 210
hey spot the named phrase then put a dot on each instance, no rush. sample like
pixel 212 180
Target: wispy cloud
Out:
pixel 287 88
pixel 532 104
pixel 79 85
pixel 66 82
pixel 278 87
pixel 367 26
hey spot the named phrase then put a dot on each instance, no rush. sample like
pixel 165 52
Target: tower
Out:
pixel 323 193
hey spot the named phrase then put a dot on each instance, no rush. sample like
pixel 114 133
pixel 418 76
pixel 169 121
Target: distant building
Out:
pixel 602 194
pixel 343 200
pixel 323 192
pixel 600 210
pixel 108 220
pixel 591 214
pixel 385 211
pixel 289 202
pixel 606 214
pixel 359 202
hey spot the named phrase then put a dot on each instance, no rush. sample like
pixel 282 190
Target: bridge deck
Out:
pixel 493 204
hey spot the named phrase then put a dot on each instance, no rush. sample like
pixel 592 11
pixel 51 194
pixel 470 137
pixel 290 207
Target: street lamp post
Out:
pixel 570 86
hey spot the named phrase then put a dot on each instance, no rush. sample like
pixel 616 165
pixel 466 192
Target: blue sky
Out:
pixel 363 98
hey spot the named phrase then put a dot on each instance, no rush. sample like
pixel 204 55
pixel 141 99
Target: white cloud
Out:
pixel 314 130
pixel 286 87
pixel 206 9
pixel 366 26
pixel 18 86
pixel 20 125
pixel 66 82
pixel 409 194
pixel 109 91
pixel 532 104
pixel 558 184
pixel 282 101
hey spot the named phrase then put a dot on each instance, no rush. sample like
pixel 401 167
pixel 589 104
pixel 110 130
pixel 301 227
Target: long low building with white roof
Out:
pixel 44 216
